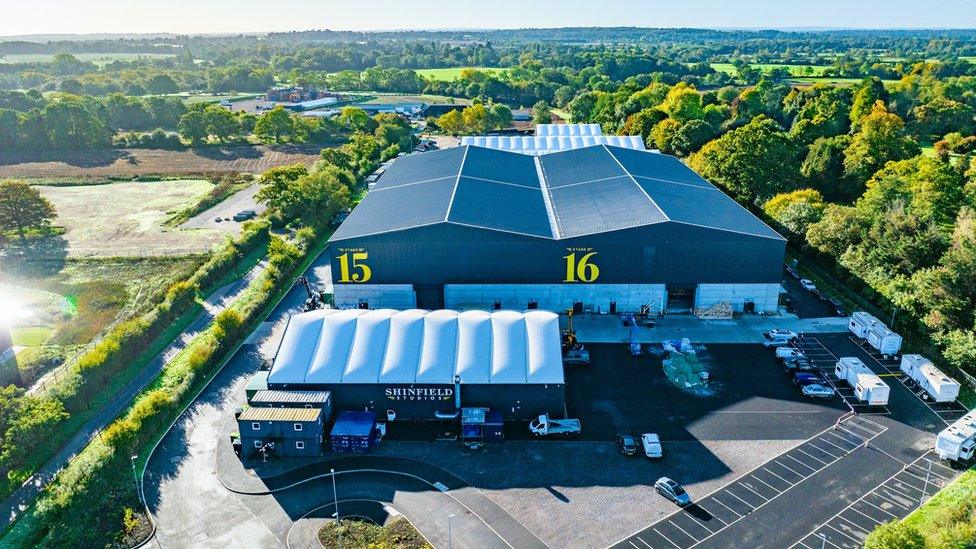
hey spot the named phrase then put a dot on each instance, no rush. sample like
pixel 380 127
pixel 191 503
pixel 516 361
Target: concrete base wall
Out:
pixel 765 296
pixel 387 296
pixel 555 297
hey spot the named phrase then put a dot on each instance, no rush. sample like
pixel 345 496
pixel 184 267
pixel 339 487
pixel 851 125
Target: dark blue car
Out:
pixel 802 379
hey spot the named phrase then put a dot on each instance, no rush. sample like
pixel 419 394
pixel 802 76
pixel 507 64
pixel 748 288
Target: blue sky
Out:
pixel 199 16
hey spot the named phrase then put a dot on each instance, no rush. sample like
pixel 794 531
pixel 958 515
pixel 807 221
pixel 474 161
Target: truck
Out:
pixel 860 322
pixel 886 342
pixel 544 426
pixel 867 386
pixel 958 441
pixel 923 373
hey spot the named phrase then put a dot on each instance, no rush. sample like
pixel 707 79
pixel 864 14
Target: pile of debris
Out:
pixel 682 366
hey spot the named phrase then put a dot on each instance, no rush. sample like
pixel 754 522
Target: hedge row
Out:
pixel 100 477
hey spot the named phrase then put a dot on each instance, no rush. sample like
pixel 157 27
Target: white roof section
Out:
pixel 417 346
pixel 547 130
pixel 536 145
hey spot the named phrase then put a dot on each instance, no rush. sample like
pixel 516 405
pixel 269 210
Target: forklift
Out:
pixel 573 352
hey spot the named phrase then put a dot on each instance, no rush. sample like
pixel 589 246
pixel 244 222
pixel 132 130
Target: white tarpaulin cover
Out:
pixel 550 138
pixel 417 346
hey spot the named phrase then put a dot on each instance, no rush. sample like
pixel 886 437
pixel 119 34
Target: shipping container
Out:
pixel 939 386
pixel 353 433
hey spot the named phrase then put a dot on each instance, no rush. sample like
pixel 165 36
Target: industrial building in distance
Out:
pixel 604 227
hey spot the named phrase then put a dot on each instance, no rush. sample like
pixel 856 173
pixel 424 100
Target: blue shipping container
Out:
pixel 353 432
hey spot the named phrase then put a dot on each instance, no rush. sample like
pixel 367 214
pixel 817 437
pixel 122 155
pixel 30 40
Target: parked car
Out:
pixel 786 334
pixel 808 284
pixel 802 379
pixel 816 390
pixel 799 365
pixel 778 338
pixel 819 294
pixel 672 491
pixel 244 215
pixel 628 446
pixel 652 445
pixel 217 220
pixel 792 272
pixel 837 306
pixel 788 352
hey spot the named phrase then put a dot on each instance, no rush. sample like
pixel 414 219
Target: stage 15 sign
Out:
pixel 353 267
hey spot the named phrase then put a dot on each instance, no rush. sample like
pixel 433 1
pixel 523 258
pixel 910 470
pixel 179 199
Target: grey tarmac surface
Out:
pixel 242 200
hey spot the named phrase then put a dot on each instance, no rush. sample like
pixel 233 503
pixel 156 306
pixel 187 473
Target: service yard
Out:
pixel 126 219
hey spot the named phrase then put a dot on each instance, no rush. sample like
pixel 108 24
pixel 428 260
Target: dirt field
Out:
pixel 132 162
pixel 126 219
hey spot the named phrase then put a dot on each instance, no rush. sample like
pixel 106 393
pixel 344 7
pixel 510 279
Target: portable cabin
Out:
pixel 867 386
pixel 886 342
pixel 958 441
pixel 353 433
pixel 860 322
pixel 939 386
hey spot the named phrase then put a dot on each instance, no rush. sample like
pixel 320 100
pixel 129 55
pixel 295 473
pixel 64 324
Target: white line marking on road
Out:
pixel 777 476
pixel 673 523
pixel 869 517
pixel 824 451
pixel 822 462
pixel 749 505
pixel 853 526
pixel 767 484
pixel 746 486
pixel 718 501
pixel 882 509
pixel 666 538
pixel 711 514
pixel 803 464
pixel 843 534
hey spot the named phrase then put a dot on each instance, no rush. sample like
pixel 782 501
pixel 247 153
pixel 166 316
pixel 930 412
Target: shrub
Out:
pixel 895 535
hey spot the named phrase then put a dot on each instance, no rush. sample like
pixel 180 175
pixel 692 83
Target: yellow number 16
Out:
pixel 582 271
pixel 358 259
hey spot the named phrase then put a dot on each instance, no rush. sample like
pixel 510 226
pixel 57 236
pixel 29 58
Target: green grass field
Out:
pixel 29 336
pixel 97 58
pixel 795 70
pixel 453 73
pixel 127 219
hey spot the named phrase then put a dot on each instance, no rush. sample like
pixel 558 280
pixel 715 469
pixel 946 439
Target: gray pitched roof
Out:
pixel 560 195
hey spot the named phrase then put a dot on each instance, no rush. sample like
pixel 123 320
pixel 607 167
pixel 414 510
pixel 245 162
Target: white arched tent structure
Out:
pixel 412 361
pixel 550 138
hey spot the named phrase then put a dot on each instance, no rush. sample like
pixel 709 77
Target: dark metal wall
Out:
pixel 515 402
pixel 665 253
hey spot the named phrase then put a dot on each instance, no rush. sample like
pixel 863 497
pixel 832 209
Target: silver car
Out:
pixel 673 491
pixel 816 390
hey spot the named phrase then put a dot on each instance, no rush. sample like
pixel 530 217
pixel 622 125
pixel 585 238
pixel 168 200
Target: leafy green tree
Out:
pixel 499 116
pixel 880 138
pixel 356 120
pixel 928 188
pixel 221 123
pixel 451 122
pixel 754 162
pixel 642 123
pixel 475 118
pixel 895 535
pixel 796 210
pixel 823 168
pixel 683 103
pixel 161 84
pixel 23 207
pixel 193 127
pixel 135 89
pixel 582 106
pixel 70 124
pixel 275 126
pixel 541 113
pixel 9 125
pixel 941 116
pixel 837 231
pixel 663 133
pixel 692 135
pixel 563 95
pixel 870 91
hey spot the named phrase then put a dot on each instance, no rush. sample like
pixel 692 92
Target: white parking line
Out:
pixel 927 471
pixel 749 505
pixel 718 501
pixel 744 485
pixel 666 538
pixel 822 462
pixel 824 451
pixel 853 525
pixel 847 440
pixel 711 514
pixel 882 509
pixel 853 434
pixel 790 470
pixel 801 463
pixel 834 445
pixel 843 534
pixel 767 484
pixel 899 492
pixel 673 523
pixel 777 476
pixel 862 513
pixel 640 539
pixel 891 501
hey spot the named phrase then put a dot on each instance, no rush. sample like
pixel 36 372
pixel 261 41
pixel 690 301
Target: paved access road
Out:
pixel 193 508
pixel 243 200
pixel 217 302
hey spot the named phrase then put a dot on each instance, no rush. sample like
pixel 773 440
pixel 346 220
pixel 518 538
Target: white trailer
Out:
pixel 958 441
pixel 887 343
pixel 939 386
pixel 867 386
pixel 860 322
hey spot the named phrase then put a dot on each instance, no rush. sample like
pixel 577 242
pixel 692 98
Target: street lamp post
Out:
pixel 824 538
pixel 132 462
pixel 335 497
pixel 450 532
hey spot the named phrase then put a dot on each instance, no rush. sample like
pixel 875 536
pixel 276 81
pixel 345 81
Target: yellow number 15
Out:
pixel 582 271
pixel 363 272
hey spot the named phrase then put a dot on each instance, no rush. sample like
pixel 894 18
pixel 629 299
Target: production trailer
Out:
pixel 886 342
pixel 867 386
pixel 861 322
pixel 958 441
pixel 939 386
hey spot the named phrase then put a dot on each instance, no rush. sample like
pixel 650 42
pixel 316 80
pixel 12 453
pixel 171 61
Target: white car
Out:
pixel 808 284
pixel 788 352
pixel 778 338
pixel 652 445
pixel 780 333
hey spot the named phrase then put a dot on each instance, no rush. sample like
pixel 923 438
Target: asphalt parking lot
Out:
pixel 804 303
pixel 750 397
